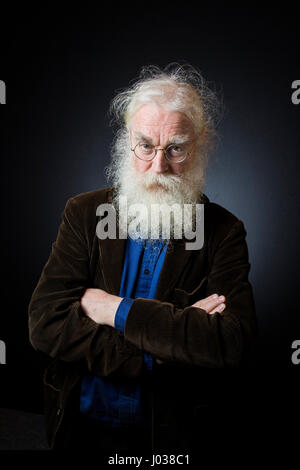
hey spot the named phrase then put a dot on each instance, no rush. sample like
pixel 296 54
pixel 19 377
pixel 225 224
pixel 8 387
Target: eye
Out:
pixel 176 149
pixel 145 146
pixel 144 150
pixel 177 153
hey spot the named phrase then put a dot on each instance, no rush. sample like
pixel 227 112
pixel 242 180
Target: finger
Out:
pixel 219 309
pixel 207 299
pixel 210 303
pixel 212 296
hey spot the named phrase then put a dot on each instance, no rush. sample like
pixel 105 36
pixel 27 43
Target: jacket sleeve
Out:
pixel 58 326
pixel 191 336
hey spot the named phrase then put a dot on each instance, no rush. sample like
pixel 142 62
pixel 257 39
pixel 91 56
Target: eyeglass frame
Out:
pixel 163 149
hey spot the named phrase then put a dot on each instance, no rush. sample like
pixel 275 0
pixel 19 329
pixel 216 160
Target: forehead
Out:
pixel 152 118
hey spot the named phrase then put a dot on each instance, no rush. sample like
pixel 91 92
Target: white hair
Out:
pixel 176 87
pixel 180 88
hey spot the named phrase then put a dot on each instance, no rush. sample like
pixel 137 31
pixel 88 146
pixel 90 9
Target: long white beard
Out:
pixel 151 189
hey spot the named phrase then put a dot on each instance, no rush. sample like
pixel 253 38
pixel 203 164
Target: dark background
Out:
pixel 61 71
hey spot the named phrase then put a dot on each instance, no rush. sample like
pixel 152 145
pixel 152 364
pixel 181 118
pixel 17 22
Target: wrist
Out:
pixel 111 309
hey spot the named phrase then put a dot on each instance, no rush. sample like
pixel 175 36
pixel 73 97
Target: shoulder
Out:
pixel 81 208
pixel 87 203
pixel 91 199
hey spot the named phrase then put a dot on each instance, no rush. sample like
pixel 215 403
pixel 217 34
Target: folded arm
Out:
pixel 190 335
pixel 207 333
pixel 58 326
pixel 61 327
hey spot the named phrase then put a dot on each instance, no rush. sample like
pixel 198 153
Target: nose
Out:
pixel 159 163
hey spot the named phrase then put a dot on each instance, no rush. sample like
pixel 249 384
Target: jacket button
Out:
pixel 58 412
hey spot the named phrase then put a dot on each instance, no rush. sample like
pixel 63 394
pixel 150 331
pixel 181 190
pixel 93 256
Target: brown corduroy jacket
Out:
pixel 186 339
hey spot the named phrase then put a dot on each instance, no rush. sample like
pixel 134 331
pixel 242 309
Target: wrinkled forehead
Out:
pixel 150 117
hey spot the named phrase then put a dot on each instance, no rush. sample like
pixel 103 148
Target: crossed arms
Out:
pixel 70 321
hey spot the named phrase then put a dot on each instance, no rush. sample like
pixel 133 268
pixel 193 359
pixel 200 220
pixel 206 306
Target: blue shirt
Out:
pixel 126 401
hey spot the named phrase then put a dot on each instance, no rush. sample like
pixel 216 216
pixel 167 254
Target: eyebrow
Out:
pixel 176 139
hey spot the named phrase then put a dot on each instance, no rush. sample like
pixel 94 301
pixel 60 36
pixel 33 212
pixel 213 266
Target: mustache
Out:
pixel 153 179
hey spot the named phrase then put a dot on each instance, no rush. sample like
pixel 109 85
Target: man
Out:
pixel 135 323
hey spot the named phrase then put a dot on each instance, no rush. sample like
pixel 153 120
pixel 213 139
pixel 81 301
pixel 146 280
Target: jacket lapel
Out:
pixel 111 252
pixel 175 260
pixel 111 263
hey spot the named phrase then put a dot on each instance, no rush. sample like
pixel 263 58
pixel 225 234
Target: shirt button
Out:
pixel 146 271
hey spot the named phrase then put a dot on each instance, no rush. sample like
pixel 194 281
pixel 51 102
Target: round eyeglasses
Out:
pixel 174 153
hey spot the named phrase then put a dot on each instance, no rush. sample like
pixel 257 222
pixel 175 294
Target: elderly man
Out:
pixel 133 323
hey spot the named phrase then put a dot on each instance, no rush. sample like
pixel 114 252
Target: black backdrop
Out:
pixel 61 70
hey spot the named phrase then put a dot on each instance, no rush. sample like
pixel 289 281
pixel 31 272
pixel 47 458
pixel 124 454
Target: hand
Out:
pixel 100 306
pixel 212 304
